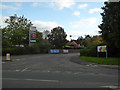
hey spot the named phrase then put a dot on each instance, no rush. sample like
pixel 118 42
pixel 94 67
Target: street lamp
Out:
pixel 70 37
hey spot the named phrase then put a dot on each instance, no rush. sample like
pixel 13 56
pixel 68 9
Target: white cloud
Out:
pixel 35 4
pixel 41 26
pixel 91 11
pixel 61 4
pixel 89 22
pixel 2 21
pixel 18 4
pixel 82 6
pixel 76 13
pixel 4 6
pixel 84 27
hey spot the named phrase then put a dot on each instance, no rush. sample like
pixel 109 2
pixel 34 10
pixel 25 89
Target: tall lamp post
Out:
pixel 70 37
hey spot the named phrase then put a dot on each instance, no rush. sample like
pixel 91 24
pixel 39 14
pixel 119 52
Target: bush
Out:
pixel 72 47
pixel 33 49
pixel 89 51
pixel 92 51
pixel 13 51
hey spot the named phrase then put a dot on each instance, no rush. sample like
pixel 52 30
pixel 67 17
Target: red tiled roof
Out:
pixel 73 43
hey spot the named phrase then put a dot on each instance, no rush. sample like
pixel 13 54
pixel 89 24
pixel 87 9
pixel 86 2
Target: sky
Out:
pixel 77 18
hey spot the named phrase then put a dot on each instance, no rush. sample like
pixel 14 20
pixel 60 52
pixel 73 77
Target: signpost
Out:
pixel 32 35
pixel 54 50
pixel 102 49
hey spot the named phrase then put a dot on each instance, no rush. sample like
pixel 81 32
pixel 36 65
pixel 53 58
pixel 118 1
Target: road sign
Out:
pixel 54 50
pixel 101 48
pixel 65 51
pixel 32 35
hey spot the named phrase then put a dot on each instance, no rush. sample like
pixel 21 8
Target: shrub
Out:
pixel 72 47
pixel 89 51
pixel 13 51
pixel 33 49
pixel 92 51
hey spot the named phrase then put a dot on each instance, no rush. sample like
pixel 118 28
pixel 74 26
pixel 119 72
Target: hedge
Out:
pixel 33 49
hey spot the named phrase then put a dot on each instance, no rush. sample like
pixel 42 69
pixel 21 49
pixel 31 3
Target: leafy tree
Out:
pixel 97 40
pixel 57 37
pixel 38 37
pixel 17 30
pixel 79 40
pixel 110 27
pixel 45 34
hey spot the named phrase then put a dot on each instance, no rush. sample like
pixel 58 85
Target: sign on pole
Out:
pixel 102 49
pixel 32 35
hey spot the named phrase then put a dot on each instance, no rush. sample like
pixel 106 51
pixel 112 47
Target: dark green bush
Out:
pixel 13 51
pixel 33 49
pixel 72 47
pixel 92 51
pixel 89 51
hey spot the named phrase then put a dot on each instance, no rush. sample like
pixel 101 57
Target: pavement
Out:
pixel 56 71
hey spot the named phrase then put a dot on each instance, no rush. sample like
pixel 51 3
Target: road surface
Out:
pixel 56 71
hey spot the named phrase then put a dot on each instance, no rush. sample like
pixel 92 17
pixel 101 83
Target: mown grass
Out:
pixel 101 60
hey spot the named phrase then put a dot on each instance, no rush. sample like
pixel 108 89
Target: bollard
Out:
pixel 8 56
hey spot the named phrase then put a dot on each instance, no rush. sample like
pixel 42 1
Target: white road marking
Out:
pixel 24 69
pixel 112 87
pixel 40 80
pixel 17 59
pixel 17 70
pixel 45 71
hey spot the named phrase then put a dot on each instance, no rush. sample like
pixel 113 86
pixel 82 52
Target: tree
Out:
pixel 45 34
pixel 110 27
pixel 79 40
pixel 97 40
pixel 38 37
pixel 17 30
pixel 57 37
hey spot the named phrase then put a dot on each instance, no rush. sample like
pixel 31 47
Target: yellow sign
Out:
pixel 101 48
pixel 104 48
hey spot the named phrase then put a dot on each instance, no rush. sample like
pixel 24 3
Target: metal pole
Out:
pixel 29 37
pixel 106 52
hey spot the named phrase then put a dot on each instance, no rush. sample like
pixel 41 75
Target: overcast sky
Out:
pixel 77 18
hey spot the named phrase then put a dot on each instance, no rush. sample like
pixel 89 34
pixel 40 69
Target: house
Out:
pixel 73 43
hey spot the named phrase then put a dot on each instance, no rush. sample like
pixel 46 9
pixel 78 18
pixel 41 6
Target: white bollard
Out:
pixel 8 56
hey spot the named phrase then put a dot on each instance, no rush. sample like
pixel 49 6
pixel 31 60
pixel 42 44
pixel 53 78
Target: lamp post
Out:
pixel 70 37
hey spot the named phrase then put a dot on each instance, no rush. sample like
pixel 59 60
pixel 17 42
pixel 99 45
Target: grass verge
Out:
pixel 101 60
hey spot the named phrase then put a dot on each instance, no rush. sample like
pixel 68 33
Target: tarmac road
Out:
pixel 56 71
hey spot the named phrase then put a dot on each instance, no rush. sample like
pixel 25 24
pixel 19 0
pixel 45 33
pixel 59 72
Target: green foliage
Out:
pixel 33 49
pixel 89 51
pixel 72 47
pixel 99 60
pixel 110 27
pixel 17 31
pixel 89 40
pixel 57 37
pixel 13 51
